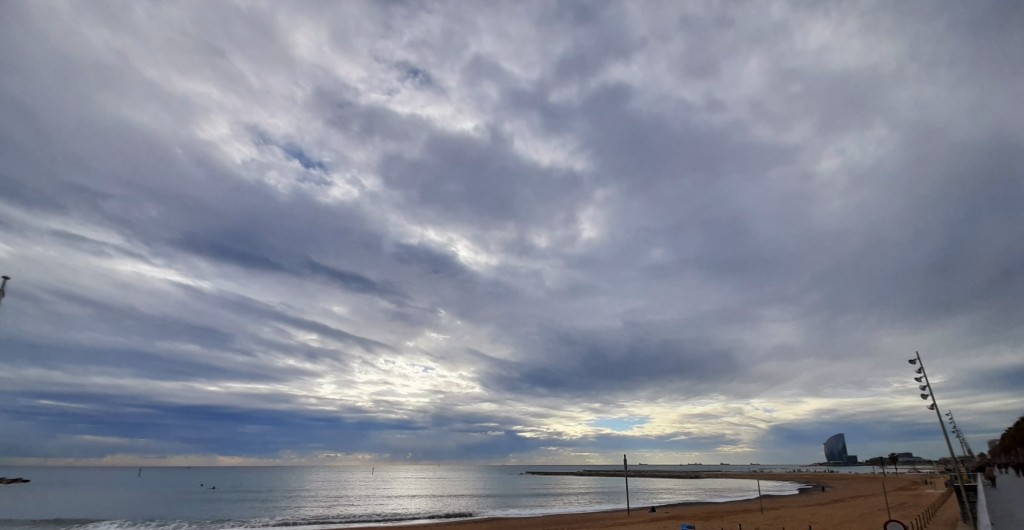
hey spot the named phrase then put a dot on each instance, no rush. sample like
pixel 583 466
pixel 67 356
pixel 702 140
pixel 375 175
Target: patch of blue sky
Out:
pixel 299 155
pixel 619 424
pixel 292 151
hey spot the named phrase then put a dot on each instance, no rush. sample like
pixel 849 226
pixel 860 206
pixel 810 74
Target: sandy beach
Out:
pixel 849 502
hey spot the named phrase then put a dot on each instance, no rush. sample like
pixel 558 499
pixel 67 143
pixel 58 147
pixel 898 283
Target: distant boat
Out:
pixel 724 464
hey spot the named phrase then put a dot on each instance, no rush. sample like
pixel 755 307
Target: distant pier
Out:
pixel 647 473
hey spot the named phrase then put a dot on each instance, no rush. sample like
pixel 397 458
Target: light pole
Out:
pixel 965 447
pixel 625 473
pixel 927 392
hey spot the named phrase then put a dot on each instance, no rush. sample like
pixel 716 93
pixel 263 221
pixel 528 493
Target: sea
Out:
pixel 311 498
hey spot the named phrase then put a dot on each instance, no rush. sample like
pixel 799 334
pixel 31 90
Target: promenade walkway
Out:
pixel 1006 502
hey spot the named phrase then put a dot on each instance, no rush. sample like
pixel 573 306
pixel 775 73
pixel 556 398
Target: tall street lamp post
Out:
pixel 926 393
pixel 965 447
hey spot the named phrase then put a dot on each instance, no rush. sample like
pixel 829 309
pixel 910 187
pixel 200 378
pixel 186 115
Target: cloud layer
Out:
pixel 515 232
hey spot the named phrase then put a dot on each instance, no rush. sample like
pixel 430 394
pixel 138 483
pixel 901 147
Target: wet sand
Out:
pixel 849 502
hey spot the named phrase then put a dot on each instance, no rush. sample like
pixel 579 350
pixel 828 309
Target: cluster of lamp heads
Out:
pixel 925 388
pixel 952 422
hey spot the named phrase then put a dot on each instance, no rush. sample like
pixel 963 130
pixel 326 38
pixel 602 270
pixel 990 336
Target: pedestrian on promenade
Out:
pixel 990 474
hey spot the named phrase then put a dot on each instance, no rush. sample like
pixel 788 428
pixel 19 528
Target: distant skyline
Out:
pixel 506 232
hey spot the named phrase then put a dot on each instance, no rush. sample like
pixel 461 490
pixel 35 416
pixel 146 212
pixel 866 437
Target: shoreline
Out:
pixel 848 502
pixel 670 474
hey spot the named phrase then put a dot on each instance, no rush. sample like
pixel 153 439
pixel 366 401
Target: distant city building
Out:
pixel 835 449
pixel 851 460
pixel 910 458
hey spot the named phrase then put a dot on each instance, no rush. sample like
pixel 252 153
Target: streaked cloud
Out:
pixel 505 232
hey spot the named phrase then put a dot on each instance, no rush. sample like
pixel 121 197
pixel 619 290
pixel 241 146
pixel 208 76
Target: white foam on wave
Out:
pixel 120 524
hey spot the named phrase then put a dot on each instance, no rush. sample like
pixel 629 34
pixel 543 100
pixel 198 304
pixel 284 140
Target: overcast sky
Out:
pixel 507 232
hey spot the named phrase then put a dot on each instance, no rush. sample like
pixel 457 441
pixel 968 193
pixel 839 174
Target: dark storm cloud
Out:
pixel 112 319
pixel 260 311
pixel 609 362
pixel 431 261
pixel 1003 379
pixel 597 39
pixel 225 251
pixel 636 147
pixel 241 432
pixel 368 121
pixel 718 209
pixel 352 281
pixel 234 253
pixel 945 245
pixel 481 181
pixel 227 431
pixel 137 362
pixel 90 245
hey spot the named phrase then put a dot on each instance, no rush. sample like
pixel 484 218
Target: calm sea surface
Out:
pixel 216 498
